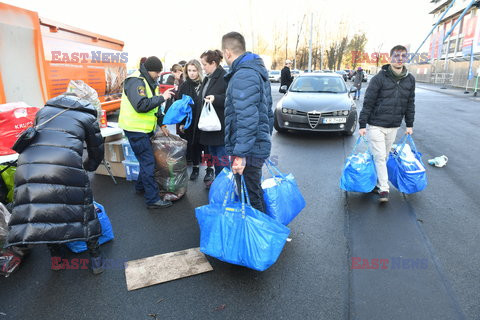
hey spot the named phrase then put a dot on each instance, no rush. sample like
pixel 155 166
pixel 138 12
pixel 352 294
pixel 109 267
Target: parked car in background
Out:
pixel 348 72
pixel 295 72
pixel 274 75
pixel 327 71
pixel 162 82
pixel 343 74
pixel 365 77
pixel 317 102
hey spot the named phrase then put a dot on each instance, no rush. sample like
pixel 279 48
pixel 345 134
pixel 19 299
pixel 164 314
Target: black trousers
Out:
pixel 253 179
pixel 194 153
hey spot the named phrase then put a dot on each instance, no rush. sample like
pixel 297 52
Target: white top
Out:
pixel 111 130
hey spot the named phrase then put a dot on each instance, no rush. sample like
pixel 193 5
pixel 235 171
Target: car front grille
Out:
pixel 313 119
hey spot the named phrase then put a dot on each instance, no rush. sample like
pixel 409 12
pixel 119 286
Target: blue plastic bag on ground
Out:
pixel 283 199
pixel 220 186
pixel 359 174
pixel 406 170
pixel 236 233
pixel 178 111
pixel 107 231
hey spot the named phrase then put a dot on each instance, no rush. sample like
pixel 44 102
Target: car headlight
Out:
pixel 289 111
pixel 341 113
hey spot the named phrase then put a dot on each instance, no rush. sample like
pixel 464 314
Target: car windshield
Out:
pixel 274 72
pixel 319 84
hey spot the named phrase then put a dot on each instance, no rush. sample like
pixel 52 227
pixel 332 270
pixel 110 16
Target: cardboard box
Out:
pixel 114 151
pixel 117 169
pixel 114 137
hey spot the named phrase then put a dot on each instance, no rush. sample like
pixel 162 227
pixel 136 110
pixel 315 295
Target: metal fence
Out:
pixel 456 74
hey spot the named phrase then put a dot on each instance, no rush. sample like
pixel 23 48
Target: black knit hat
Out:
pixel 153 64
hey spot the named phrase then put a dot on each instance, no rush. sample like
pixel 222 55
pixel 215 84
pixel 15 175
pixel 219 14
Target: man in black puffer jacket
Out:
pixel 248 114
pixel 53 201
pixel 389 98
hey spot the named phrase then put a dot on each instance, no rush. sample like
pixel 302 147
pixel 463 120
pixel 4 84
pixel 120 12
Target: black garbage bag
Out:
pixel 171 165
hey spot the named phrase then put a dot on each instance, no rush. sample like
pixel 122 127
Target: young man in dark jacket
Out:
pixel 53 201
pixel 248 114
pixel 389 98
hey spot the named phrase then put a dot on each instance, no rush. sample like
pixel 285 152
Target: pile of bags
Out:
pixel 171 165
pixel 11 258
pixel 233 231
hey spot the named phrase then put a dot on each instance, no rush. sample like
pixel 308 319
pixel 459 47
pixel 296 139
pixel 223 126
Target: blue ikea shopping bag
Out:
pixel 406 170
pixel 107 231
pixel 359 174
pixel 237 233
pixel 283 199
pixel 178 111
pixel 220 186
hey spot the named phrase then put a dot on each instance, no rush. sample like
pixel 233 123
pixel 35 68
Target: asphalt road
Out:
pixel 430 240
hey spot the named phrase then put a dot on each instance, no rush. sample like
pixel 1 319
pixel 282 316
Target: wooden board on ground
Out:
pixel 165 267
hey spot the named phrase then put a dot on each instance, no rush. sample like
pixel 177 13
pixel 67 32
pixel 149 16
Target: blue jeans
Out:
pixel 142 147
pixel 357 93
pixel 218 158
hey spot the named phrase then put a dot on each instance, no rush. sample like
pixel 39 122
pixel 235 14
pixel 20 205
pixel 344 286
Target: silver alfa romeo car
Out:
pixel 317 102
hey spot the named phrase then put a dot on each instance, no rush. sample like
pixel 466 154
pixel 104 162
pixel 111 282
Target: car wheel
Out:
pixel 276 126
pixel 352 129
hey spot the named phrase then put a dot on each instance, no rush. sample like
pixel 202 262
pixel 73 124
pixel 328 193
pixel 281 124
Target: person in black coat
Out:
pixel 213 90
pixel 53 201
pixel 389 99
pixel 286 78
pixel 192 87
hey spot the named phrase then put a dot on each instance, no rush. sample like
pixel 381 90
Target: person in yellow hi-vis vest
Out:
pixel 138 119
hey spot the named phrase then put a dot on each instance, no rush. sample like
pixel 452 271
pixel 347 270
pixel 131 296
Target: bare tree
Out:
pixel 276 47
pixel 356 45
pixel 298 39
pixel 377 58
pixel 331 55
pixel 261 45
pixel 341 51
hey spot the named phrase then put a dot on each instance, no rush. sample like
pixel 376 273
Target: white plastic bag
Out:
pixel 208 119
pixel 4 219
pixel 84 91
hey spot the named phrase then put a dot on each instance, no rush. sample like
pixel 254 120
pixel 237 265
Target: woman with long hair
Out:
pixel 191 86
pixel 213 90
